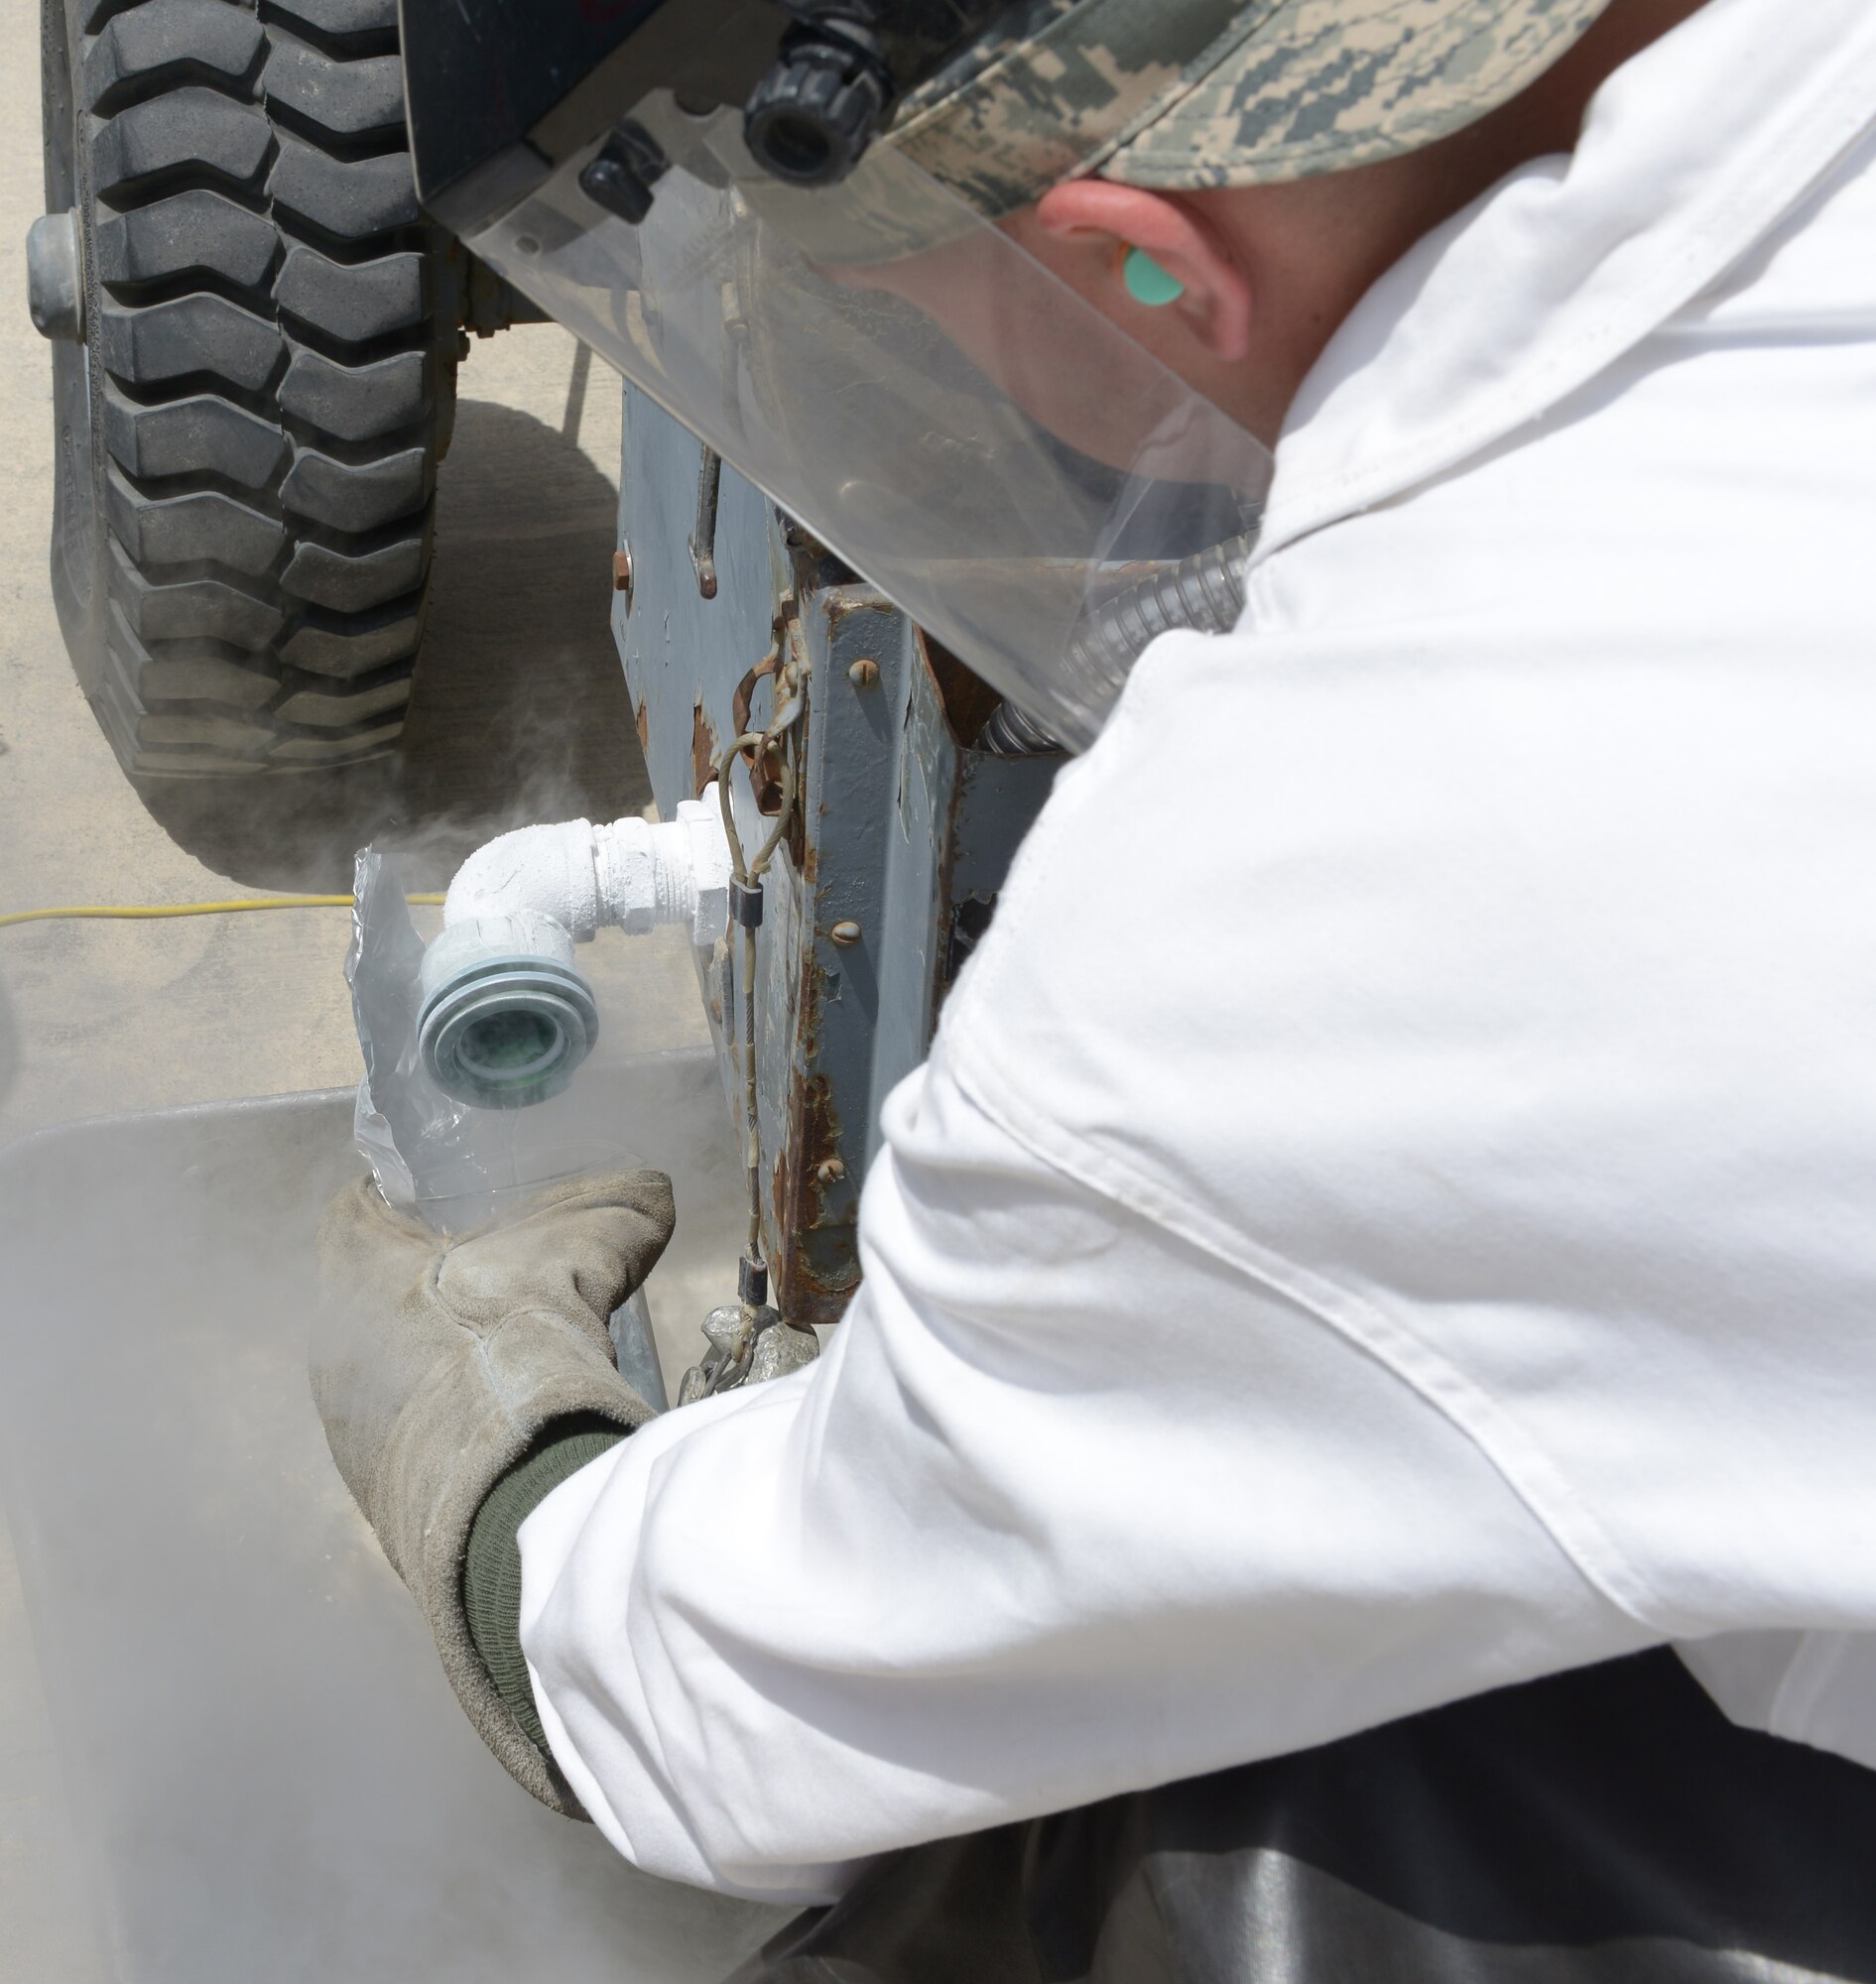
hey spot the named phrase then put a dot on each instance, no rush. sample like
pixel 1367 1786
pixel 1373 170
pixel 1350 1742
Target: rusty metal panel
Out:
pixel 903 838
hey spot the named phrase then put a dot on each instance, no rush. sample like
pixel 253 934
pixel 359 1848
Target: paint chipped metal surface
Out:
pixel 893 863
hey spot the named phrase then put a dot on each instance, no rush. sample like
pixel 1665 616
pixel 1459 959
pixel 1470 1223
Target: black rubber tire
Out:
pixel 248 440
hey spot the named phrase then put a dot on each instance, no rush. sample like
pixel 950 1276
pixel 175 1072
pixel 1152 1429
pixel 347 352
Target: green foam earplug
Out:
pixel 1147 282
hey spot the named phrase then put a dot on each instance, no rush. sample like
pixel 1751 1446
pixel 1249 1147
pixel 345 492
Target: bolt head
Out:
pixel 846 932
pixel 55 284
pixel 864 672
pixel 622 570
pixel 831 1171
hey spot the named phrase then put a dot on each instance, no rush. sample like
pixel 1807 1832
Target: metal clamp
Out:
pixel 750 1345
pixel 731 1332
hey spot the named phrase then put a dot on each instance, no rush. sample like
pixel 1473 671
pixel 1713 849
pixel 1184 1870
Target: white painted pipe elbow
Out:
pixel 633 873
pixel 506 1017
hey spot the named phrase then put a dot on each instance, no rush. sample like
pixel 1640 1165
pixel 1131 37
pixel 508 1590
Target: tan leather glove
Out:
pixel 436 1362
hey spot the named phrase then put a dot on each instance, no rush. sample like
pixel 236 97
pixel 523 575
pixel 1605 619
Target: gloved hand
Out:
pixel 436 1363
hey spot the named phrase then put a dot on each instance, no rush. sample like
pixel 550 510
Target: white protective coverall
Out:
pixel 1391 1209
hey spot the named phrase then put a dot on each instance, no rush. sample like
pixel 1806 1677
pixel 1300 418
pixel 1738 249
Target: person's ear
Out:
pixel 1214 292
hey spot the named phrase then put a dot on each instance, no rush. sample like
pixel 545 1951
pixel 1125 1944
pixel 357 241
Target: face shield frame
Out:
pixel 499 95
pixel 961 427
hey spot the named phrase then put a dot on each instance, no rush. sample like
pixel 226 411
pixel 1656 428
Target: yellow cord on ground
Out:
pixel 140 912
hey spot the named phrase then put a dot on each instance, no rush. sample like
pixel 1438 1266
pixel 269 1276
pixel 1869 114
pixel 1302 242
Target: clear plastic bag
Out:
pixel 455 1167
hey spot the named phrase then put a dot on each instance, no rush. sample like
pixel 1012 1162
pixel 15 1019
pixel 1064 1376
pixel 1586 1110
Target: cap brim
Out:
pixel 1320 85
pixel 1281 90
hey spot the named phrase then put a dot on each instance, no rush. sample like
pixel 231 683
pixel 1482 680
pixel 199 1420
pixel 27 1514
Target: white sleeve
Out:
pixel 1069 1508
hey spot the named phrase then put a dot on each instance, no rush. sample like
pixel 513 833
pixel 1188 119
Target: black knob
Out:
pixel 621 173
pixel 812 116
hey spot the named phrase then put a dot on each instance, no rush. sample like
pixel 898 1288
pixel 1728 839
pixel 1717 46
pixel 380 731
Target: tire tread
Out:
pixel 192 133
pixel 200 232
pixel 157 47
pixel 204 435
pixel 277 384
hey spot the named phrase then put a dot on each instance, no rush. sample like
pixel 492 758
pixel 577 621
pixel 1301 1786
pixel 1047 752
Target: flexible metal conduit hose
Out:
pixel 1204 592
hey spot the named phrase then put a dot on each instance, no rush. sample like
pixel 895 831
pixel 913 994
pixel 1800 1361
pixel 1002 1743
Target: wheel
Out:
pixel 255 335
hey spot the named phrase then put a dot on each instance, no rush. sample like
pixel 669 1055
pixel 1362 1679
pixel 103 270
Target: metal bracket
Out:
pixel 486 303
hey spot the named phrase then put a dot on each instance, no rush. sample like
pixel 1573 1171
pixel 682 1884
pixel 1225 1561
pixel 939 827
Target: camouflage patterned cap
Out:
pixel 1192 94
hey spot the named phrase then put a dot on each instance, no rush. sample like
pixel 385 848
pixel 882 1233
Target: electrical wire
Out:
pixel 140 912
pixel 749 875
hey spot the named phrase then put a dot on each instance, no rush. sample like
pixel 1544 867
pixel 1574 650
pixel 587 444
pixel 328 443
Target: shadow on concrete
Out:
pixel 520 712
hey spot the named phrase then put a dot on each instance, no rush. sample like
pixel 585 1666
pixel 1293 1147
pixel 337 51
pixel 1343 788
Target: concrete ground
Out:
pixel 519 713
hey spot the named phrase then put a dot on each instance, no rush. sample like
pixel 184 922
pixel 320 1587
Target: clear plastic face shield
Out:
pixel 998 457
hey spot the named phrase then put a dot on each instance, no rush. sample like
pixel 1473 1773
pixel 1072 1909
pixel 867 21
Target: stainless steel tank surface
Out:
pixel 268 1772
